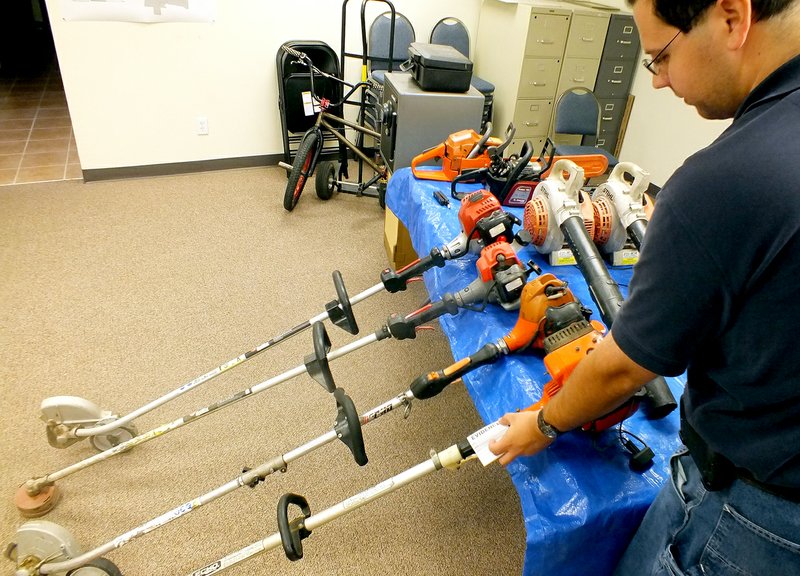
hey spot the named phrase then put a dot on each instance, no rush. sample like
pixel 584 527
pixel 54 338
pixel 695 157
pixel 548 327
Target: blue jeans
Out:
pixel 739 531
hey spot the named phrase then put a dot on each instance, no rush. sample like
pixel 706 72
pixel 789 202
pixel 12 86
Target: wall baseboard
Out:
pixel 171 169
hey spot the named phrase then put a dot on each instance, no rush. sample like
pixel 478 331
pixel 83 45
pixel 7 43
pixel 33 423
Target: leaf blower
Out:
pixel 553 217
pixel 621 208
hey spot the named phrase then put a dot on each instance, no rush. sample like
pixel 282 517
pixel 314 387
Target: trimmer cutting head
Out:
pixel 33 506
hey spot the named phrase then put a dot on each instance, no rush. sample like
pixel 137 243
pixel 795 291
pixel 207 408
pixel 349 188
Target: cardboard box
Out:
pixel 397 242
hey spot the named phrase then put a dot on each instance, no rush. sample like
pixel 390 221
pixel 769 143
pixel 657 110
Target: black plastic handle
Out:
pixel 317 364
pixel 397 280
pixel 402 328
pixel 293 533
pixel 340 311
pixel 348 426
pixel 429 385
pixel 525 155
pixel 476 175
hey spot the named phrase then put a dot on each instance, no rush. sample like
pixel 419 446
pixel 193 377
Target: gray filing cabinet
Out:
pixel 532 54
pixel 614 79
pixel 415 119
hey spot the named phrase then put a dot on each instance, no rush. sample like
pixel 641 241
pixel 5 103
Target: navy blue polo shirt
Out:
pixel 716 291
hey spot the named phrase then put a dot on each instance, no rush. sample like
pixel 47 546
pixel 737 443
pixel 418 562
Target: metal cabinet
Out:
pixel 533 53
pixel 614 78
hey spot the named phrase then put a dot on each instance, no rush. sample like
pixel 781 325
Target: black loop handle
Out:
pixel 293 533
pixel 317 364
pixel 340 311
pixel 348 426
pixel 477 175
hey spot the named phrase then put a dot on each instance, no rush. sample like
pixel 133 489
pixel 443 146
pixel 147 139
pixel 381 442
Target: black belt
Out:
pixel 718 472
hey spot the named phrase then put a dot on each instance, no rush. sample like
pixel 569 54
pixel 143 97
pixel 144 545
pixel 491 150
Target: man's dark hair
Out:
pixel 684 15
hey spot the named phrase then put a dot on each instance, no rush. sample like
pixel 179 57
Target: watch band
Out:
pixel 548 430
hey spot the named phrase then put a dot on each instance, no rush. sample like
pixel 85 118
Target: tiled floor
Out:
pixel 36 139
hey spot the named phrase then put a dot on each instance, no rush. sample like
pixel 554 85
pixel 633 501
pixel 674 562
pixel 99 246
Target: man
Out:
pixel 716 293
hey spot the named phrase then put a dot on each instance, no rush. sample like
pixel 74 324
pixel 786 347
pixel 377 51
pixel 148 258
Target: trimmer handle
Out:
pixel 293 533
pixel 348 426
pixel 340 311
pixel 402 328
pixel 429 385
pixel 397 280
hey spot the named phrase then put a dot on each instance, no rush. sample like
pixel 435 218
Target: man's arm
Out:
pixel 600 382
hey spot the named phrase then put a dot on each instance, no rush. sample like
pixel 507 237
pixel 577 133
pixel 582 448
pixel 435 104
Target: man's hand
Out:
pixel 522 438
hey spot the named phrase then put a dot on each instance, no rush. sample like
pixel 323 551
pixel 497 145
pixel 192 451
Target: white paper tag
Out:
pixel 309 106
pixel 480 439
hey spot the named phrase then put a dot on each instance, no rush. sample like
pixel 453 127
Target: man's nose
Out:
pixel 660 81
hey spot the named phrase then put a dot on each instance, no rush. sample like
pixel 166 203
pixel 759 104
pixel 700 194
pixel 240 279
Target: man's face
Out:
pixel 695 66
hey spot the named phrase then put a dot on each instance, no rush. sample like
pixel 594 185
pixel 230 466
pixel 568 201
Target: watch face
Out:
pixel 545 428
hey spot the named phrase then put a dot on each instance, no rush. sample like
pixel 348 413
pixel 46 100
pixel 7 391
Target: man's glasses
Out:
pixel 652 65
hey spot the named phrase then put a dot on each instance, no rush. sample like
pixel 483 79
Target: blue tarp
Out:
pixel 580 501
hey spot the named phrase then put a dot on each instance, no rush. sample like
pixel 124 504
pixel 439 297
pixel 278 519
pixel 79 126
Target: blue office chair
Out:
pixel 452 32
pixel 578 113
pixel 378 44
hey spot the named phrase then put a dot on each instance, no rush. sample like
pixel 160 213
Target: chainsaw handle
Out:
pixel 480 146
pixel 435 153
pixel 430 384
pixel 511 130
pixel 468 176
pixel 397 280
pixel 525 155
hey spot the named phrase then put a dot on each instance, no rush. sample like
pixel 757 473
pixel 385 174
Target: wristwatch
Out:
pixel 548 430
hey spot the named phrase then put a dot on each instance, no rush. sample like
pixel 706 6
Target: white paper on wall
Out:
pixel 138 10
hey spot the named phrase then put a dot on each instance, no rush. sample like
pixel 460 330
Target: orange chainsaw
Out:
pixel 514 179
pixel 465 150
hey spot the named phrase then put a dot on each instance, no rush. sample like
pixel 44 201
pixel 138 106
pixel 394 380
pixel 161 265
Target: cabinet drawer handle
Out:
pixel 531 124
pixel 606 118
pixel 616 81
pixel 581 79
pixel 534 83
pixel 544 41
pixel 625 42
pixel 589 39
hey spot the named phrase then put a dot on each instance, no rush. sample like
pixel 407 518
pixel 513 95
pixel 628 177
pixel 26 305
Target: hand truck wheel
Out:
pixel 302 168
pixel 325 182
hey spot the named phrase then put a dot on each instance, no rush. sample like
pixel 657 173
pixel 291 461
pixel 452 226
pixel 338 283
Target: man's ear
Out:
pixel 737 16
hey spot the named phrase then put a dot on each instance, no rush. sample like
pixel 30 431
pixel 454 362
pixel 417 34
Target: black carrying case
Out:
pixel 439 68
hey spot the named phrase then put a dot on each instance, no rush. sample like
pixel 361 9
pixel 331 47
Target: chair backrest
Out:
pixel 451 32
pixel 577 112
pixel 379 33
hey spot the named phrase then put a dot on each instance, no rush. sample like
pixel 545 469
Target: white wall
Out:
pixel 663 131
pixel 135 90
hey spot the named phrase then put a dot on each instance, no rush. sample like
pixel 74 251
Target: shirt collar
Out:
pixel 783 80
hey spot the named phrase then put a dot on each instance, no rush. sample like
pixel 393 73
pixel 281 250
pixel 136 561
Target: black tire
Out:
pixel 301 169
pixel 97 567
pixel 325 181
pixel 382 194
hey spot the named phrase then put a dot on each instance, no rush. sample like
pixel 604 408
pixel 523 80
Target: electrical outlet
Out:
pixel 202 126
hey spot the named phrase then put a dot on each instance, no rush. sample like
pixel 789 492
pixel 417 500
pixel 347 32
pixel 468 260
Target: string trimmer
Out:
pixel 501 281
